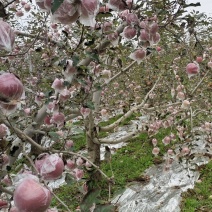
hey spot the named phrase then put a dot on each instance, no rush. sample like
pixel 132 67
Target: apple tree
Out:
pixel 64 61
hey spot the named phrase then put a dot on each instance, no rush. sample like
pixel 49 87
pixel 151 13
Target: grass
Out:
pixel 129 162
pixel 115 118
pixel 127 165
pixel 70 195
pixel 160 136
pixel 200 198
pixel 79 142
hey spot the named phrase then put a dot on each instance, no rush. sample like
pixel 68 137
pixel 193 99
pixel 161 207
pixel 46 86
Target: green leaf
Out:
pixel 98 86
pixel 90 198
pixel 48 93
pixel 90 105
pixel 3 13
pixel 66 83
pixel 78 131
pixel 56 4
pixel 104 15
pixel 94 56
pixel 119 191
pixel 90 42
pixel 54 136
pixel 63 62
pixel 69 179
pixel 192 5
pixel 78 136
pixel 75 59
pixel 65 33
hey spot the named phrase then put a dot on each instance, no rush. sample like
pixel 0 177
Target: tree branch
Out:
pixel 119 140
pixel 86 159
pixel 130 112
pixel 200 82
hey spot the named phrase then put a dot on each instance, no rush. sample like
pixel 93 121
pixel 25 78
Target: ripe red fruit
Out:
pixel 27 7
pixel 3 130
pixel 155 151
pixel 50 166
pixel 31 196
pixel 192 69
pixel 19 13
pixel 117 5
pixel 67 13
pixel 11 87
pixel 88 10
pixel 199 59
pixel 154 28
pixel 58 119
pixel 129 32
pixel 3 203
pixel 7 36
pixel 138 55
pixel 44 5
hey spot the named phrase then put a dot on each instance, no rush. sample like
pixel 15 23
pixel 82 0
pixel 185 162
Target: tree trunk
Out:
pixel 93 146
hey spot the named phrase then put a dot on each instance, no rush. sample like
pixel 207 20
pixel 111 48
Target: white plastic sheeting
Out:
pixel 163 192
pixel 121 132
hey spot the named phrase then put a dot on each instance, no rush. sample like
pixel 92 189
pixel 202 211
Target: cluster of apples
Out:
pixel 30 194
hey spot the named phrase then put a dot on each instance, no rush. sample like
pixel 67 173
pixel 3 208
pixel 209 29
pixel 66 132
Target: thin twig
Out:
pixel 131 111
pixel 86 159
pixel 31 162
pixel 56 197
pixel 200 82
pixel 191 120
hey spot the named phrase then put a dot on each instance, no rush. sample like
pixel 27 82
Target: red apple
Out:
pixel 199 59
pixel 31 196
pixel 49 166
